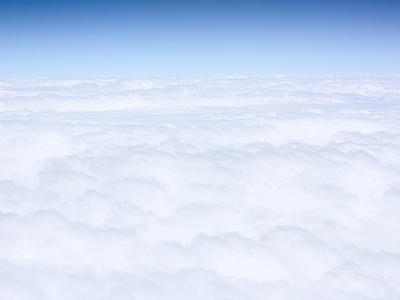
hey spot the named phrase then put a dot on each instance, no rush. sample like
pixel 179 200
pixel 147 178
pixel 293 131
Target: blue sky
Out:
pixel 142 38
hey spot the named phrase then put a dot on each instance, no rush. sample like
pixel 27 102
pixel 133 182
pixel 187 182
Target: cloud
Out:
pixel 208 188
pixel 109 93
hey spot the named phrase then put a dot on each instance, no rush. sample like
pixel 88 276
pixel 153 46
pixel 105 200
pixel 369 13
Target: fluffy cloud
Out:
pixel 210 188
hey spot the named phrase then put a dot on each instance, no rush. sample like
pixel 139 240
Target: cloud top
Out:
pixel 208 188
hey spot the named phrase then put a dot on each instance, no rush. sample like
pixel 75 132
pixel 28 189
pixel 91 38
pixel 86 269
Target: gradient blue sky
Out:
pixel 142 38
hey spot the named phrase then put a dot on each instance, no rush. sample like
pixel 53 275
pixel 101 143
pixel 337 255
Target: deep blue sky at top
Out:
pixel 141 38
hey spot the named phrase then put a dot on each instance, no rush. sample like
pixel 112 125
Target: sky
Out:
pixel 199 150
pixel 184 38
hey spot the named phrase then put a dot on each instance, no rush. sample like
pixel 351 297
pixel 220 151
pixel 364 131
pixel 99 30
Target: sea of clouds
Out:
pixel 280 187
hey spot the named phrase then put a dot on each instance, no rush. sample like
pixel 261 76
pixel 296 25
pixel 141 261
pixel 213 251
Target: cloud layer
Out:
pixel 204 188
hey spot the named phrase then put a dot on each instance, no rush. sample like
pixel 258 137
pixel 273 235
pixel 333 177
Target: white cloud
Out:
pixel 208 188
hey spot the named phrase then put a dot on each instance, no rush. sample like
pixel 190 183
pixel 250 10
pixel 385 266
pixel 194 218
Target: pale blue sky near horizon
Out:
pixel 189 38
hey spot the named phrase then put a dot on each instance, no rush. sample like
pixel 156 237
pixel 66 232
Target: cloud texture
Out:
pixel 203 188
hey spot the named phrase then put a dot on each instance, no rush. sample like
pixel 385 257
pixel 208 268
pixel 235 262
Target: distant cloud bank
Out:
pixel 111 93
pixel 281 187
